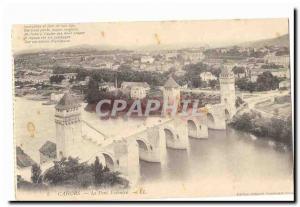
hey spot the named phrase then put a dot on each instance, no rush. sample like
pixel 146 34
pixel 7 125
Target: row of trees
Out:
pixel 70 172
pixel 265 82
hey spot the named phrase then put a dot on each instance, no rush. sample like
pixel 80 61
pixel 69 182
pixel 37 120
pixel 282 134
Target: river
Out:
pixel 229 160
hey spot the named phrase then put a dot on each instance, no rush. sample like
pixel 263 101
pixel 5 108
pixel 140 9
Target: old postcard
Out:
pixel 152 110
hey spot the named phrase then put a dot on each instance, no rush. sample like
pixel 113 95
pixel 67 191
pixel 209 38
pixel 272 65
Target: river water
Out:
pixel 234 159
pixel 227 158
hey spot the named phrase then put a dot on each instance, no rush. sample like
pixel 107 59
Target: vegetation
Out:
pixel 265 82
pixel 70 172
pixel 238 102
pixel 56 78
pixel 277 129
pixel 36 174
pixel 238 69
pixel 245 84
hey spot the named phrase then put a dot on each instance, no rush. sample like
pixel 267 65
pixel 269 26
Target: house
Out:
pixel 207 76
pixel 55 97
pixel 129 85
pixel 23 160
pixel 47 152
pixel 147 59
pixel 137 92
pixel 107 86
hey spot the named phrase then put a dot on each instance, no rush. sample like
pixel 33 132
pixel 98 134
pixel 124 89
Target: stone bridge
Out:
pixel 123 154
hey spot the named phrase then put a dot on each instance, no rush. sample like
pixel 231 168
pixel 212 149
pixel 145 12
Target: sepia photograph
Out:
pixel 152 109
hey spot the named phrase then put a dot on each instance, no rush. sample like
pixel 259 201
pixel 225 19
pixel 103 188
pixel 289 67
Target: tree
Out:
pixel 98 171
pixel 238 70
pixel 56 78
pixel 266 81
pixel 243 122
pixel 245 84
pixel 213 83
pixel 36 173
pixel 64 170
pixel 92 91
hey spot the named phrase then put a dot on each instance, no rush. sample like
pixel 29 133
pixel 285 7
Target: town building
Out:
pixel 55 97
pixel 107 86
pixel 207 76
pixel 128 85
pixel 137 92
pixel 278 60
pixel 147 59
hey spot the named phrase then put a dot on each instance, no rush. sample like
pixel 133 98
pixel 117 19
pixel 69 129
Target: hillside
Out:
pixel 282 41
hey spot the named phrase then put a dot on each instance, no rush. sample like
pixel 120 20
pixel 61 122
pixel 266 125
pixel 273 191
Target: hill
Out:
pixel 282 41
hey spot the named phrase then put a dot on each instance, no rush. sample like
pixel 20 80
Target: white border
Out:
pixel 19 13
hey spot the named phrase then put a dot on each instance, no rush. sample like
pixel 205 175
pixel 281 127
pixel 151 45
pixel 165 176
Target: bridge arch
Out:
pixel 210 120
pixel 171 136
pixel 142 144
pixel 192 128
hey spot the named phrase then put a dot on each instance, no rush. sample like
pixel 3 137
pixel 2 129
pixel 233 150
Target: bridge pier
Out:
pixel 197 126
pixel 216 116
pixel 122 156
pixel 176 134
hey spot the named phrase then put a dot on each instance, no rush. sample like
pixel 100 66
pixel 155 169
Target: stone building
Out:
pixel 68 124
pixel 171 93
pixel 227 90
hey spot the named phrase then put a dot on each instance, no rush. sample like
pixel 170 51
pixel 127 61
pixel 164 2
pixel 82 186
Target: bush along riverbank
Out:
pixel 279 131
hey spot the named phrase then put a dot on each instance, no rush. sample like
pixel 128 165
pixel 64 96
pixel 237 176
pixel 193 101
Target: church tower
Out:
pixel 227 90
pixel 68 125
pixel 171 93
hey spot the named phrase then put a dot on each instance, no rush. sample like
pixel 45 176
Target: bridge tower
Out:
pixel 227 91
pixel 68 124
pixel 171 93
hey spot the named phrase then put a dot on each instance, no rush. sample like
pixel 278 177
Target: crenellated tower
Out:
pixel 227 90
pixel 68 124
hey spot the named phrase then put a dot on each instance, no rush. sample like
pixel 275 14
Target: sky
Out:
pixel 134 35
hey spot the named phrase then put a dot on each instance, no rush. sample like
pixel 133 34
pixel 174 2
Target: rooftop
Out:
pixel 68 101
pixel 137 84
pixel 49 148
pixel 171 83
pixel 23 160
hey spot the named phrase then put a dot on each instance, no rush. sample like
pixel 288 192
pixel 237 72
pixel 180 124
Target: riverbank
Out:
pixel 278 130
